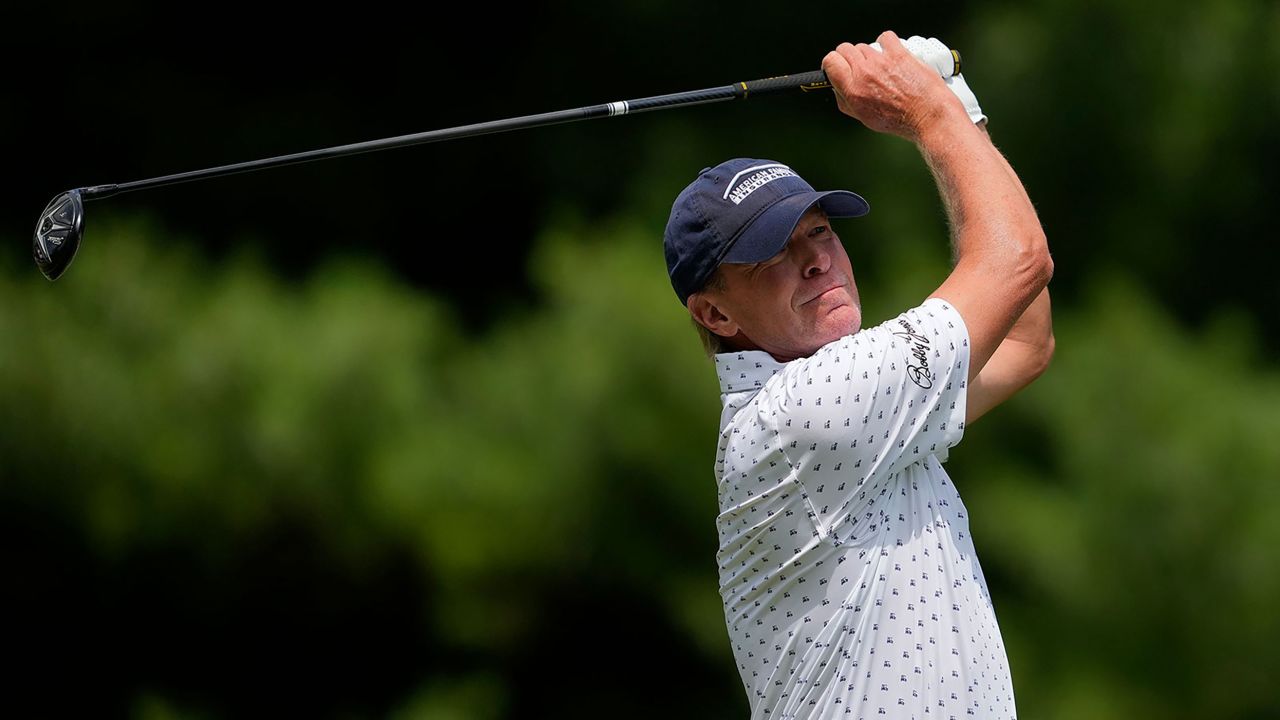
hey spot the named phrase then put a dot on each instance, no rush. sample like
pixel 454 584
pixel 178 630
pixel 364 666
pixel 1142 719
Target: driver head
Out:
pixel 58 233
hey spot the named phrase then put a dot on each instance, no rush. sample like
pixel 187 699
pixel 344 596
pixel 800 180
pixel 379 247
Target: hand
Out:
pixel 891 91
pixel 931 51
pixel 938 56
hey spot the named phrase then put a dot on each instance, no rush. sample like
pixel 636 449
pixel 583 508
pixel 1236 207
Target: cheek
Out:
pixel 853 283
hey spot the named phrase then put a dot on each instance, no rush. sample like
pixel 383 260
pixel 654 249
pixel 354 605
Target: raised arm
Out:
pixel 1002 259
pixel 1021 358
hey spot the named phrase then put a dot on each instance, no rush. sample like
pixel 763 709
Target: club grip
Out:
pixel 805 82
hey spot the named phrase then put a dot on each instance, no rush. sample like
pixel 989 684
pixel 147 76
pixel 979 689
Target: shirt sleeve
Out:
pixel 866 406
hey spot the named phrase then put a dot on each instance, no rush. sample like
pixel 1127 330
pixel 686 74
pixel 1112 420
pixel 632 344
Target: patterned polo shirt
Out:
pixel 850 584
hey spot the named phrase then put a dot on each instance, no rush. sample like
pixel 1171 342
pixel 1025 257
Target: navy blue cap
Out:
pixel 741 211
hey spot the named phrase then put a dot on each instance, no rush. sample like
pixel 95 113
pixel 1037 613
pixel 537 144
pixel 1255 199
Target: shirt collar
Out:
pixel 745 370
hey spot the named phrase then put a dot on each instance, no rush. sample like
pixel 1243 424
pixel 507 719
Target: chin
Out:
pixel 848 319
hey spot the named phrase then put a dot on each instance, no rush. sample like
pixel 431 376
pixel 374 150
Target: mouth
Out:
pixel 821 294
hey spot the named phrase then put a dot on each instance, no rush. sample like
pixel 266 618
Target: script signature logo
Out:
pixel 919 345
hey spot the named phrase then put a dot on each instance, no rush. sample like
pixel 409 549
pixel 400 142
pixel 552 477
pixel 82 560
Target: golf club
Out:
pixel 61 225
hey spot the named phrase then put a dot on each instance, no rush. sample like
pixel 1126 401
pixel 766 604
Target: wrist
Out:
pixel 943 128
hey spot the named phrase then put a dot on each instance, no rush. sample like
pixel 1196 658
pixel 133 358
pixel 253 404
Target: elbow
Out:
pixel 1032 361
pixel 1043 357
pixel 1040 313
pixel 1037 257
pixel 1046 267
pixel 1033 264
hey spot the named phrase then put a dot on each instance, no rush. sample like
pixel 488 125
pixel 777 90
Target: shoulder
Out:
pixel 918 353
pixel 933 327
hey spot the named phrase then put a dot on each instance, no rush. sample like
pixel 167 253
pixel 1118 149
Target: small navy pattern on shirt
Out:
pixel 850 584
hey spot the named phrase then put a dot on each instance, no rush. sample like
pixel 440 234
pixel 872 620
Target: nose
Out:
pixel 815 258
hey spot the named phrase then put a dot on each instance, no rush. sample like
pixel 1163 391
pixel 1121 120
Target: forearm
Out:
pixel 991 216
pixel 1002 258
pixel 1013 176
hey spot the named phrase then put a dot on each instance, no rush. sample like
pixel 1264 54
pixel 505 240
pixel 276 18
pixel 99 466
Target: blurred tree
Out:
pixel 328 480
pixel 284 482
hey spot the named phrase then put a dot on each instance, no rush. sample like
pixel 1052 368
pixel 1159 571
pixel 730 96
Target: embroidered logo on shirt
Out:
pixel 918 373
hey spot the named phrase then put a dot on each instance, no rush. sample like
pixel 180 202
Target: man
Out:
pixel 850 583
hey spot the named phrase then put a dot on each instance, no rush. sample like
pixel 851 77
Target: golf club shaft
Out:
pixel 804 82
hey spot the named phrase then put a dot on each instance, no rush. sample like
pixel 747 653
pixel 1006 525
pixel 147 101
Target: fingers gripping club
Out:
pixel 934 54
pixel 947 63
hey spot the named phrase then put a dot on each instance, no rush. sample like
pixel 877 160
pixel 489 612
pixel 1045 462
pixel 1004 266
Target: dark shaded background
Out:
pixel 421 433
pixel 1097 92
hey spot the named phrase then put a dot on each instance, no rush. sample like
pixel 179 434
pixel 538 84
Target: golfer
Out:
pixel 850 583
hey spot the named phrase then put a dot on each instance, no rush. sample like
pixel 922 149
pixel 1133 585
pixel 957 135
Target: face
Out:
pixel 791 304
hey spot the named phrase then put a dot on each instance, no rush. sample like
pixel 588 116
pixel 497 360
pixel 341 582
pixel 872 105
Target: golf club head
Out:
pixel 58 234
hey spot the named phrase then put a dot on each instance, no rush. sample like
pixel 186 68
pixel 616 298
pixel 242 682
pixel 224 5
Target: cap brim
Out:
pixel 770 231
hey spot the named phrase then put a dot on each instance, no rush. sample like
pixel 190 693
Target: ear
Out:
pixel 704 309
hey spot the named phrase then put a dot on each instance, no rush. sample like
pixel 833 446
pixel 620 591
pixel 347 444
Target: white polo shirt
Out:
pixel 850 584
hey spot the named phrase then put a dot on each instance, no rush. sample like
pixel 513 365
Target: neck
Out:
pixel 741 343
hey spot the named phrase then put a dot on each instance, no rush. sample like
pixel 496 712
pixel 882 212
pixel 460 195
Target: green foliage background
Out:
pixel 225 493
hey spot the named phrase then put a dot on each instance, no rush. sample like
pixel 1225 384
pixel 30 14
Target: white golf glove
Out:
pixel 938 56
pixel 962 91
